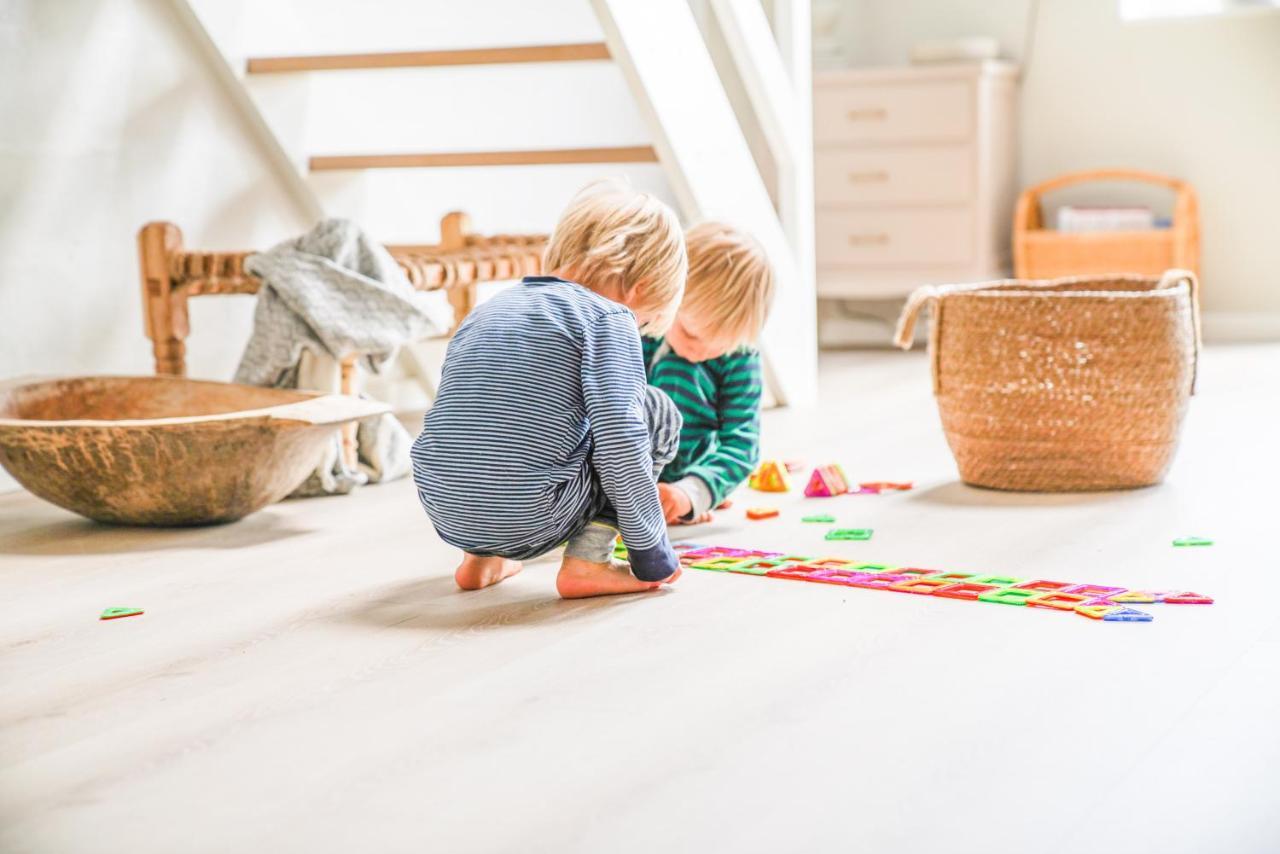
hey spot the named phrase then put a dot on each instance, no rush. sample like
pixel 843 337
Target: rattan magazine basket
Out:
pixel 1062 385
pixel 1043 253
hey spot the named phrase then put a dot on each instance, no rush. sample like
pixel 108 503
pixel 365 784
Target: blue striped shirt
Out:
pixel 540 406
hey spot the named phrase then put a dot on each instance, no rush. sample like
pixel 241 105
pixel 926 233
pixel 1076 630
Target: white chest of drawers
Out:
pixel 914 173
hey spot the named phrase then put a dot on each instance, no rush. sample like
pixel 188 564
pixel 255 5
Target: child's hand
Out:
pixel 675 504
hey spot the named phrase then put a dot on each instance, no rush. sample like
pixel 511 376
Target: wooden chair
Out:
pixel 172 274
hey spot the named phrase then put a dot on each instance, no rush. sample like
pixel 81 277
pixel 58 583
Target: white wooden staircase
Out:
pixel 696 137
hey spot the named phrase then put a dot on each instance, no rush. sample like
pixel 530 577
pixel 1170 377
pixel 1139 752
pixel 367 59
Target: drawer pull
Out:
pixel 868 114
pixel 880 239
pixel 879 176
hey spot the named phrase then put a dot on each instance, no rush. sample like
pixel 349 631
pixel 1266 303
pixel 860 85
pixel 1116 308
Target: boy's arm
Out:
pixel 738 407
pixel 613 389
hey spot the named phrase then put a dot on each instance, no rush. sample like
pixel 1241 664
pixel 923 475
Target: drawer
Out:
pixel 894 238
pixel 853 176
pixel 934 111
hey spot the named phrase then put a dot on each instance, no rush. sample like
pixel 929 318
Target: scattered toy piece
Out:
pixel 1045 586
pixel 849 534
pixel 864 490
pixel 1057 600
pixel 826 482
pixel 761 512
pixel 1187 598
pixel 882 485
pixel 1095 612
pixel 1094 591
pixel 1192 541
pixel 771 476
pixel 1136 597
pixel 922 585
pixel 821 517
pixel 793 465
pixel 1127 615
pixel 1008 596
pixel 118 612
pixel 997 580
pixel 957 576
pixel 964 590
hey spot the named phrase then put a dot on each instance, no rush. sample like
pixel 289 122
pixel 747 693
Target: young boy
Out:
pixel 544 430
pixel 707 366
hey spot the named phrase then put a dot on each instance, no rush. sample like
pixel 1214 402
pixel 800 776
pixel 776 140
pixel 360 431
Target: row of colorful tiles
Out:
pixel 1096 601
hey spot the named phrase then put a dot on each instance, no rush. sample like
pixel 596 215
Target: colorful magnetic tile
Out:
pixel 1187 541
pixel 997 580
pixel 771 476
pixel 1126 615
pixel 878 580
pixel 794 465
pixel 919 572
pixel 1057 600
pixel 849 534
pixel 1095 612
pixel 964 590
pixel 875 567
pixel 864 490
pixel 1008 596
pixel 1187 598
pixel 1094 591
pixel 821 576
pixel 822 517
pixel 118 612
pixel 847 577
pixel 826 482
pixel 881 485
pixel 1045 586
pixel 1135 597
pixel 956 576
pixel 925 586
pixel 724 551
pixel 761 512
pixel 719 564
pixel 757 565
pixel 762 565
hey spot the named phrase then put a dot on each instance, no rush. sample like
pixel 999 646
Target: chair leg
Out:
pixel 164 308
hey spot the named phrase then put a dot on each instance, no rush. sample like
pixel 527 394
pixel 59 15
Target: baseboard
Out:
pixel 1239 327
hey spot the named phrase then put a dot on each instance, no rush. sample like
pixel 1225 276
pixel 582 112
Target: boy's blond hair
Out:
pixel 613 235
pixel 730 282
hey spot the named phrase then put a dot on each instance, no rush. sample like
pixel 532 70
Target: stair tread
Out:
pixel 574 52
pixel 529 157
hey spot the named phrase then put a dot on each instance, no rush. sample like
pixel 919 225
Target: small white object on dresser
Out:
pixel 914 172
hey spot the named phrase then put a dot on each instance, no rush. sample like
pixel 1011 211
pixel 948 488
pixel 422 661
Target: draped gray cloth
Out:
pixel 328 294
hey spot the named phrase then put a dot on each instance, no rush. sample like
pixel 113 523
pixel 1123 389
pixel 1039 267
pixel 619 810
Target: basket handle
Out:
pixel 1170 279
pixel 905 334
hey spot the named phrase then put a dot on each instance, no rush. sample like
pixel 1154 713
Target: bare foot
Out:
pixel 476 572
pixel 580 579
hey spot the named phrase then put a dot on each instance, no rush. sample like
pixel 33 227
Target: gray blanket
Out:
pixel 325 295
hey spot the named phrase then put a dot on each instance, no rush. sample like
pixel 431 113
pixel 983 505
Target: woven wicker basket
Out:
pixel 1063 385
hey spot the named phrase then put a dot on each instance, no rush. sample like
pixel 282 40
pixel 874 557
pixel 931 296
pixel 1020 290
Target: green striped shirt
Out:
pixel 720 402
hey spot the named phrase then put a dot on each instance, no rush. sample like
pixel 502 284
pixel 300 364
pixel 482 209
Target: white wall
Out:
pixel 1198 99
pixel 108 122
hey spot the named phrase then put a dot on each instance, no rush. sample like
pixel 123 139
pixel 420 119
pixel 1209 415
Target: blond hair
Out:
pixel 614 236
pixel 730 282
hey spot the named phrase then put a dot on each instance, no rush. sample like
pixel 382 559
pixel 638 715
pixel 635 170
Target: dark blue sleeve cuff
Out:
pixel 657 563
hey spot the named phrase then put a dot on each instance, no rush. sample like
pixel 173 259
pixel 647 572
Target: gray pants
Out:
pixel 593 538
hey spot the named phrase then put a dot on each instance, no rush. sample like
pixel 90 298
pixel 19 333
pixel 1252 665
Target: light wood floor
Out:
pixel 309 680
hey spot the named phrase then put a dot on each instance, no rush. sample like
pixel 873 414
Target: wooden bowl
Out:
pixel 165 450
